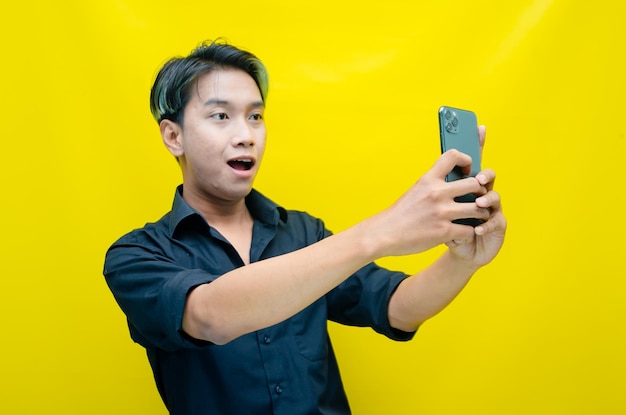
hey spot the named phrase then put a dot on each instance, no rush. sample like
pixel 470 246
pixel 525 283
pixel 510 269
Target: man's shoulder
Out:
pixel 150 231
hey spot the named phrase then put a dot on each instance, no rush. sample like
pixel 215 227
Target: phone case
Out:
pixel 458 129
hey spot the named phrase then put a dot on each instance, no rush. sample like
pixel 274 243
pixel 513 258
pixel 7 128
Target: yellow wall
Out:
pixel 355 88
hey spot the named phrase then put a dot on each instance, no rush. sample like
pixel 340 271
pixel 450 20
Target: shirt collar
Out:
pixel 260 207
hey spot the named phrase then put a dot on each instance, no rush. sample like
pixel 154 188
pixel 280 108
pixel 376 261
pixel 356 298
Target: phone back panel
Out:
pixel 459 129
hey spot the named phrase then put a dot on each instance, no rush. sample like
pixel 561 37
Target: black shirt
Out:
pixel 289 368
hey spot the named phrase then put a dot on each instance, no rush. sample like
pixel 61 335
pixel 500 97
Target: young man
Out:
pixel 230 293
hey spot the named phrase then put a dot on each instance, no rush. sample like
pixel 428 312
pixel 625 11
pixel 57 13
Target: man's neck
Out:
pixel 216 212
pixel 231 219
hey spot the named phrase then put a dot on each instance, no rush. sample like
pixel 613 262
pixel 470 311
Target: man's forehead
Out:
pixel 222 85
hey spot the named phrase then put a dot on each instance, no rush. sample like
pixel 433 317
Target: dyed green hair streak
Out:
pixel 173 84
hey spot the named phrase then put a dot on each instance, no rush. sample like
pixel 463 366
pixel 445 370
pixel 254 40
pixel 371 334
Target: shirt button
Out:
pixel 266 339
pixel 279 390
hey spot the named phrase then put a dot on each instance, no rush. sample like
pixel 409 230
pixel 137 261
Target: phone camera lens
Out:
pixel 448 114
pixel 455 122
pixel 448 127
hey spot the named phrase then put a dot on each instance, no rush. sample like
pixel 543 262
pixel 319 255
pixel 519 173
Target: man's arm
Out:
pixel 428 292
pixel 425 294
pixel 267 292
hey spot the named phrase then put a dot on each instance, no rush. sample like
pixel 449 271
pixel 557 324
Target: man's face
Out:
pixel 223 136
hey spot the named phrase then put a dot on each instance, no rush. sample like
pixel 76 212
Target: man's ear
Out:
pixel 172 136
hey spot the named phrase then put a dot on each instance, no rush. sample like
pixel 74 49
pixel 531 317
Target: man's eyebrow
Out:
pixel 217 101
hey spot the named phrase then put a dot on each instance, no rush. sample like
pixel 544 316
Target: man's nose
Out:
pixel 243 135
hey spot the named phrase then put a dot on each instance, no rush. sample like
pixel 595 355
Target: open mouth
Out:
pixel 241 164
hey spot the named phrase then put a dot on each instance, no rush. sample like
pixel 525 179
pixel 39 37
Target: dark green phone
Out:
pixel 458 129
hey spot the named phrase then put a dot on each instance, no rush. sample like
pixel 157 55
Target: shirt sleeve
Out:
pixel 151 289
pixel 363 300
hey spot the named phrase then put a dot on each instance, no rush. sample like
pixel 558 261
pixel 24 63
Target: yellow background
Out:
pixel 354 92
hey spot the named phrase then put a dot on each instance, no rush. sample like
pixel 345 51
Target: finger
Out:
pixel 491 200
pixel 486 177
pixel 482 133
pixel 454 243
pixel 471 211
pixel 496 220
pixel 495 223
pixel 465 186
pixel 460 234
pixel 449 160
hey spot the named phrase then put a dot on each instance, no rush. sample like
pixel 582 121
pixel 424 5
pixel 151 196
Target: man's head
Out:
pixel 210 109
pixel 175 81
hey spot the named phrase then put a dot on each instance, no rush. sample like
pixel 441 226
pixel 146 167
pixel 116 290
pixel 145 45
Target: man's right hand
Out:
pixel 422 217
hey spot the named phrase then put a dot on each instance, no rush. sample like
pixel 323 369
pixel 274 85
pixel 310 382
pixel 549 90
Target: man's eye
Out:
pixel 256 117
pixel 220 116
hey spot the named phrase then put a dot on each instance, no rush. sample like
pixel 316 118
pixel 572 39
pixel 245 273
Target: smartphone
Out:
pixel 458 129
